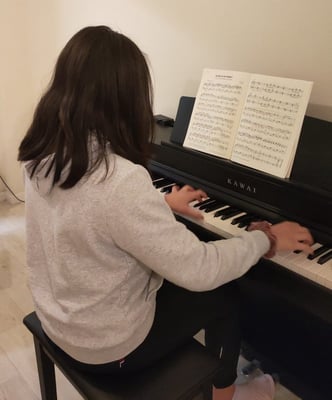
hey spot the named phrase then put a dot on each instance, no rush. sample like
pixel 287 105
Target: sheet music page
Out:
pixel 271 123
pixel 216 114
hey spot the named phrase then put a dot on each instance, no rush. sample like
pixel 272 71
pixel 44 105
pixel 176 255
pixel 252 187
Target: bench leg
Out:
pixel 46 373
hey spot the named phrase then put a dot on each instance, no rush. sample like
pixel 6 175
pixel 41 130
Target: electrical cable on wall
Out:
pixel 3 181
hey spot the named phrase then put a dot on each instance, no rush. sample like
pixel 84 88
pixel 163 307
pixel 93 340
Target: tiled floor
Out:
pixel 18 375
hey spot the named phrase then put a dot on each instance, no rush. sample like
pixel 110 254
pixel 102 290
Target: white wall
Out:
pixel 290 38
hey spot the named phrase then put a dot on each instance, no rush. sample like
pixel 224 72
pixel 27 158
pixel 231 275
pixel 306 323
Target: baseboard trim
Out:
pixel 10 198
pixel 3 196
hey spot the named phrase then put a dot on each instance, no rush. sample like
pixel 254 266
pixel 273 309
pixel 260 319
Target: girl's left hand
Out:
pixel 180 198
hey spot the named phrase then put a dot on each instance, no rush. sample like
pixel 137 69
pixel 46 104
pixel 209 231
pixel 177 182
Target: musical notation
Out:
pixel 272 103
pixel 249 118
pixel 272 88
pixel 251 153
pixel 212 126
pixel 267 132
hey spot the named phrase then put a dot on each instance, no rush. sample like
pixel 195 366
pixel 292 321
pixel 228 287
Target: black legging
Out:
pixel 180 314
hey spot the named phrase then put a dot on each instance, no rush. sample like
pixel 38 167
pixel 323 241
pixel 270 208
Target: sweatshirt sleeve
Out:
pixel 144 226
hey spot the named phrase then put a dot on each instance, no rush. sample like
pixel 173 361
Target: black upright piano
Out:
pixel 286 301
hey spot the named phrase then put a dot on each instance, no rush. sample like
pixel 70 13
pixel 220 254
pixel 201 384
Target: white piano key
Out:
pixel 297 263
pixel 325 276
pixel 224 226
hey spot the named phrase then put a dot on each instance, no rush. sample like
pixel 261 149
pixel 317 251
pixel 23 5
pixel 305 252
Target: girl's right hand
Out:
pixel 292 236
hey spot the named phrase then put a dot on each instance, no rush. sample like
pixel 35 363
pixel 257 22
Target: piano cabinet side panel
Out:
pixel 287 322
pixel 290 335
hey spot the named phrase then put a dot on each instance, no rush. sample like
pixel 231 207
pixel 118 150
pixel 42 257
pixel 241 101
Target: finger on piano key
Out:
pixel 297 251
pixel 309 268
pixel 299 255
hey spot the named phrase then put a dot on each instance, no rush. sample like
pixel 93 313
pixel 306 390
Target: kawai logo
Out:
pixel 241 185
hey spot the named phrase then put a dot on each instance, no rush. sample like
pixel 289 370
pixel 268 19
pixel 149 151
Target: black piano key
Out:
pixel 247 221
pixel 156 176
pixel 326 257
pixel 155 180
pixel 207 204
pixel 168 188
pixel 236 220
pixel 220 212
pixel 319 251
pixel 244 220
pixel 214 206
pixel 203 202
pixel 162 182
pixel 227 212
pixel 231 214
pixel 299 251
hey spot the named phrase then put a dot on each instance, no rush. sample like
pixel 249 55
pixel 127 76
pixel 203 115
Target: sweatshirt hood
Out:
pixel 42 179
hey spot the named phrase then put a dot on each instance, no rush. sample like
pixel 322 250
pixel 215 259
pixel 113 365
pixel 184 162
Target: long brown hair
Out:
pixel 101 85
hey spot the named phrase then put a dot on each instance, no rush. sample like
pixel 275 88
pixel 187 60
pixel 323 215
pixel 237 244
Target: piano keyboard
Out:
pixel 227 221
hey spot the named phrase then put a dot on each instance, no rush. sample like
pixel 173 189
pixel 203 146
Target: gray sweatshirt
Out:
pixel 97 254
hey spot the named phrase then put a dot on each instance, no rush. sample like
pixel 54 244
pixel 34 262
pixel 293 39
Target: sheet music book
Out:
pixel 252 119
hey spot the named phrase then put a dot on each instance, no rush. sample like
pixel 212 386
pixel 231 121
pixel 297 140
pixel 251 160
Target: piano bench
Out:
pixel 185 374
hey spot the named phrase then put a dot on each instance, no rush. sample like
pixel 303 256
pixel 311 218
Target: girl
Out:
pixel 117 282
